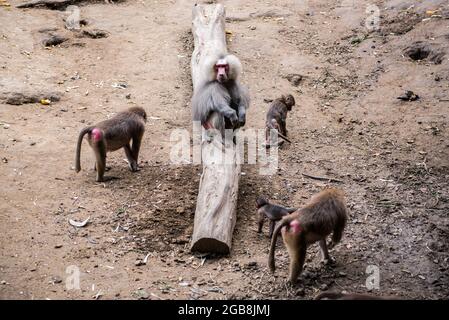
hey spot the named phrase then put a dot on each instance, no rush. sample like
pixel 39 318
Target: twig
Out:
pixel 336 282
pixel 429 248
pixel 322 178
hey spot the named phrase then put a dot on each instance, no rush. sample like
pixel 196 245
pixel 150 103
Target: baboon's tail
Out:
pixel 285 221
pixel 78 147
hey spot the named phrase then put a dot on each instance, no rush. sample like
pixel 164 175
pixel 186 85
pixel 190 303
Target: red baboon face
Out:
pixel 222 70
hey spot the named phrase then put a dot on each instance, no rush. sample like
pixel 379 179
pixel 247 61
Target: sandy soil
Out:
pixel 391 155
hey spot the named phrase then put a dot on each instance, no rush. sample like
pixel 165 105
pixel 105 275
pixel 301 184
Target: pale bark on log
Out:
pixel 215 214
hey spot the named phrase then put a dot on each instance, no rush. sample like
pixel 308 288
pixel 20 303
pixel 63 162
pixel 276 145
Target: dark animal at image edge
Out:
pixel 113 134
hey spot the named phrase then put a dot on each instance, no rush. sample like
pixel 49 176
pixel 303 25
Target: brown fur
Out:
pixel 117 133
pixel 277 116
pixel 271 211
pixel 326 213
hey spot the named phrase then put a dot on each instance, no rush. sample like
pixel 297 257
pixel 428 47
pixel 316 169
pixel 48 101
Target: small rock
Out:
pixel 58 246
pixel 294 78
pixel 141 294
pixel 252 28
pixel 139 263
pixel 356 40
pixel 408 96
pixel 180 240
pixel 128 96
pixel 180 210
pixel 56 279
pixel 324 287
pixel 120 85
pixel 251 265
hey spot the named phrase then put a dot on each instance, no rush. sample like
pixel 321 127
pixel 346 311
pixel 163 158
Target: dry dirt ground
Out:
pixel 391 155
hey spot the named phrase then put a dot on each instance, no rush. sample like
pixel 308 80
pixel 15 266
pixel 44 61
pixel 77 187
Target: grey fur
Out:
pixel 229 100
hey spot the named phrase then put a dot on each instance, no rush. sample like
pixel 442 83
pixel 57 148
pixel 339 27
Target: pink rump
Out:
pixel 295 226
pixel 97 135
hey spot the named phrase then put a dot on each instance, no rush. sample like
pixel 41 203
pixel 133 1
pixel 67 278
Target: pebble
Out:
pixel 324 287
pixel 139 263
pixel 180 210
pixel 56 279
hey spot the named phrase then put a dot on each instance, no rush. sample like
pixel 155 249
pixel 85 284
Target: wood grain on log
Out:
pixel 215 214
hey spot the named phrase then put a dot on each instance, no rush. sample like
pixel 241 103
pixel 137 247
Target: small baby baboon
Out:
pixel 271 211
pixel 325 214
pixel 277 116
pixel 113 134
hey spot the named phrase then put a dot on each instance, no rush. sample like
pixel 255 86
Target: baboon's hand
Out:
pixel 232 116
pixel 242 119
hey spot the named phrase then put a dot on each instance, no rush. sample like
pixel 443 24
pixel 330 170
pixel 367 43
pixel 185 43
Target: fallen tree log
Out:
pixel 215 214
pixel 55 4
pixel 51 4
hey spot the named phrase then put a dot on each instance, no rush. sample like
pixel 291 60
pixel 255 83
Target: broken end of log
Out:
pixel 206 245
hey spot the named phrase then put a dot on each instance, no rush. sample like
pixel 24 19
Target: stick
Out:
pixel 283 137
pixel 322 178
